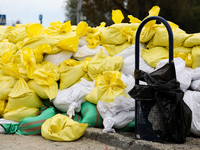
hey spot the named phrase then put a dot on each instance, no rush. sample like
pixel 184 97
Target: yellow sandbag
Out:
pixel 61 27
pixel 133 26
pixel 47 74
pixel 112 35
pixel 21 113
pixel 193 40
pixel 35 41
pixel 114 49
pixel 154 55
pixel 16 35
pixel 107 87
pixel 62 128
pixel 7 57
pixel 28 60
pixel 3 104
pixel 16 70
pixel 81 28
pixel 6 85
pixel 44 91
pixel 196 56
pixel 102 62
pixel 93 40
pixel 149 28
pixel 185 53
pixel 34 29
pixel 7 46
pixel 70 72
pixel 22 96
pixel 117 16
pixel 3 30
pixel 70 43
pixel 161 36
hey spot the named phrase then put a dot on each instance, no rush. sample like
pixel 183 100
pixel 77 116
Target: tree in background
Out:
pixel 184 13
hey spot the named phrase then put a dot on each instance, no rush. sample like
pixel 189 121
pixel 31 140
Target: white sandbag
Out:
pixel 192 99
pixel 119 104
pixel 128 66
pixel 196 74
pixel 2 121
pixel 69 100
pixel 183 76
pixel 85 52
pixel 82 41
pixel 119 121
pixel 58 57
pixel 129 80
pixel 195 85
pixel 130 51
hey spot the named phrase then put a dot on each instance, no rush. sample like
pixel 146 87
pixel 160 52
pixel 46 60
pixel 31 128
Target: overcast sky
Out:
pixel 28 11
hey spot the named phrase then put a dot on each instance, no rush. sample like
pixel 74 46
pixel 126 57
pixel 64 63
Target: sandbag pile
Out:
pixel 68 77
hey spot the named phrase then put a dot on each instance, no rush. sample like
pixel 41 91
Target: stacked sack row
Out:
pixel 82 72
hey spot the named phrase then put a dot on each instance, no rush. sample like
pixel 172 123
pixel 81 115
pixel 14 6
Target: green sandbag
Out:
pixel 91 115
pixel 30 125
pixel 77 117
pixel 129 127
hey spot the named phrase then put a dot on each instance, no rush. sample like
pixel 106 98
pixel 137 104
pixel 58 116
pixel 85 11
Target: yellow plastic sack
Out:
pixel 196 56
pixel 117 16
pixel 21 113
pixel 6 85
pixel 93 40
pixel 62 128
pixel 114 49
pixel 70 72
pixel 61 27
pixel 154 55
pixel 161 36
pixel 70 43
pixel 81 28
pixel 22 96
pixel 185 53
pixel 149 28
pixel 3 104
pixel 107 87
pixel 16 70
pixel 102 62
pixel 35 41
pixel 44 91
pixel 28 60
pixel 112 35
pixel 7 46
pixel 192 40
pixel 34 29
pixel 7 57
pixel 3 30
pixel 133 26
pixel 47 74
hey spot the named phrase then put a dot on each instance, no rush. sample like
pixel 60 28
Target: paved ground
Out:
pixel 93 139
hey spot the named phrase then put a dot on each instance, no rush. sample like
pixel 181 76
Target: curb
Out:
pixel 127 141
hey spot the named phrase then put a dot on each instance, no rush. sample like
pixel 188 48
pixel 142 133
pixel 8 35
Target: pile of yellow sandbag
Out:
pixel 37 61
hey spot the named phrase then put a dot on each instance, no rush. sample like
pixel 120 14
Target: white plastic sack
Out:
pixel 82 41
pixel 192 99
pixel 183 76
pixel 2 121
pixel 119 104
pixel 196 74
pixel 129 51
pixel 85 52
pixel 119 121
pixel 129 80
pixel 58 57
pixel 128 66
pixel 195 85
pixel 69 100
